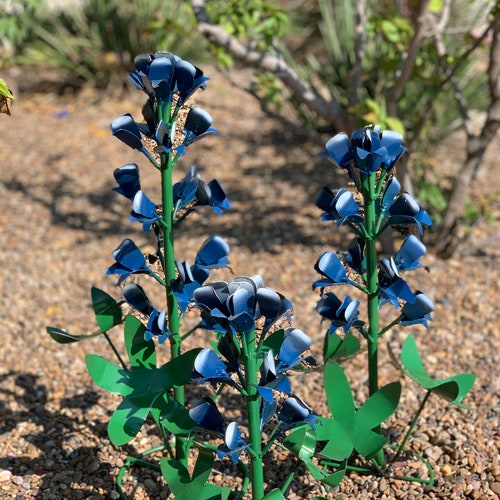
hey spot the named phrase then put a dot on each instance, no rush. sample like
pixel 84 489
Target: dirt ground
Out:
pixel 60 223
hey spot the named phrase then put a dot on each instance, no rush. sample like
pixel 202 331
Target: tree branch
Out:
pixel 331 111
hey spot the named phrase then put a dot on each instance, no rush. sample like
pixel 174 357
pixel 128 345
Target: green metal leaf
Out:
pixel 274 495
pixel 274 341
pixel 141 352
pixel 338 348
pixel 128 418
pixel 108 376
pixel 452 389
pixel 349 428
pixel 64 337
pixel 186 488
pixel 178 371
pixel 173 416
pixel 107 311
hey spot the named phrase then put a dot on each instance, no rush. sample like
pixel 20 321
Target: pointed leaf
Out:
pixel 140 352
pixel 64 337
pixel 301 441
pixel 107 310
pixel 379 406
pixel 274 495
pixel 172 416
pixel 338 348
pixel 339 444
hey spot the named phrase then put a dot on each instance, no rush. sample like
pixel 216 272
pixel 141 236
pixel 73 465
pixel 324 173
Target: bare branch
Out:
pixel 331 110
pixel 360 35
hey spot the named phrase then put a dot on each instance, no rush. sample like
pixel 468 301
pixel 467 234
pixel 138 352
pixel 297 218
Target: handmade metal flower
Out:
pixel 157 326
pixel 406 210
pixel 294 411
pixel 212 253
pixel 233 445
pixel 334 272
pixel 340 207
pixel 127 130
pixel 341 314
pixel 355 256
pixel 418 311
pixel 368 150
pixel 127 177
pixel 197 125
pixel 144 211
pixel 210 368
pixel 207 416
pixel 235 307
pixel 136 297
pixel 129 260
pixel 271 379
pixel 411 250
pixel 392 286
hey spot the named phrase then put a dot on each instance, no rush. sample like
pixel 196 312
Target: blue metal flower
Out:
pixel 368 150
pixel 212 254
pixel 125 129
pixel 144 211
pixel 233 445
pixel 392 286
pixel 406 210
pixel 271 379
pixel 157 326
pixel 295 343
pixel 129 260
pixel 418 311
pixel 295 411
pixel 411 250
pixel 127 177
pixel 136 297
pixel 355 256
pixel 334 272
pixel 210 368
pixel 207 416
pixel 340 207
pixel 341 314
pixel 197 125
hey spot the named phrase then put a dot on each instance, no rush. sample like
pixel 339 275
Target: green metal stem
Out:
pixel 370 216
pixel 411 428
pixel 115 350
pixel 253 408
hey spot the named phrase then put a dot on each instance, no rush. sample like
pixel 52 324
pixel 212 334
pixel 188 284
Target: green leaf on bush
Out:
pixel 452 389
pixel 141 353
pixel 185 487
pixel 107 311
pixel 338 348
pixel 64 337
pixel 351 428
pixel 172 416
pixel 274 495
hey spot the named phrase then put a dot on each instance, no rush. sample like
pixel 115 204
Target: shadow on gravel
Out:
pixel 56 459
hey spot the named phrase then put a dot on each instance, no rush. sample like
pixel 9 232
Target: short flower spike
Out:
pixel 207 416
pixel 127 177
pixel 144 211
pixel 234 445
pixel 125 129
pixel 129 260
pixel 417 312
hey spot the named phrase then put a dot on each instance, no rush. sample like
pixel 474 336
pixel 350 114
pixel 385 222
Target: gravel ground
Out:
pixel 60 224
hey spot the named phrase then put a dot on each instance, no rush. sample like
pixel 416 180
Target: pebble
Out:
pixel 495 487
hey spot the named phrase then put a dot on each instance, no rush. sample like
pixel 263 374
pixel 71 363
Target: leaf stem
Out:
pixel 117 354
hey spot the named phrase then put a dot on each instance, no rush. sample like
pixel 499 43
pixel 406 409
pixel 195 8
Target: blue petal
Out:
pixel 411 250
pixel 207 416
pixel 213 253
pixel 135 296
pixel 418 311
pixel 294 344
pixel 125 129
pixel 209 365
pixel 330 266
pixel 127 177
pixel 144 210
pixel 338 148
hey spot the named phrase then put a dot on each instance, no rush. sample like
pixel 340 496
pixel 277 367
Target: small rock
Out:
pixel 382 485
pixel 446 470
pixel 495 487
pixel 5 475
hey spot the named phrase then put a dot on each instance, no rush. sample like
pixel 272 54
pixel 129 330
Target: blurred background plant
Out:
pixel 423 68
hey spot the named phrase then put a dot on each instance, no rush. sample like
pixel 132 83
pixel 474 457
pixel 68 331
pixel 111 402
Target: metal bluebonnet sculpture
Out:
pixel 256 348
pixel 369 156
